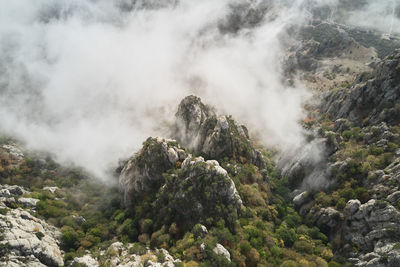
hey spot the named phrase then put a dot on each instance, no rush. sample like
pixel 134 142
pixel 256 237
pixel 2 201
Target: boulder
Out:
pixel 28 202
pixel 328 217
pixel 301 198
pixel 221 250
pixel 352 207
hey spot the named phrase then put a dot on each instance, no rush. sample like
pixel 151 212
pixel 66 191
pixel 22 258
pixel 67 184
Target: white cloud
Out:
pixel 90 82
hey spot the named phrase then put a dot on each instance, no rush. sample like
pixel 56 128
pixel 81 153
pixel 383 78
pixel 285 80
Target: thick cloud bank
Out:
pixel 89 81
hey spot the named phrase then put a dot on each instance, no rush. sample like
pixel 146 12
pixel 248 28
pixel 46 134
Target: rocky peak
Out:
pixel 212 136
pixel 190 119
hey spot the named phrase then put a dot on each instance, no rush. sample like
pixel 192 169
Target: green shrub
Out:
pixel 334 264
pixel 3 211
pixel 289 263
pixel 137 249
pixel 128 228
pixel 39 235
pixel 303 246
pixel 160 257
pixel 287 235
pixel 69 237
pixel 119 216
pixel 396 246
pixel 244 247
pixel 341 204
pixel 347 193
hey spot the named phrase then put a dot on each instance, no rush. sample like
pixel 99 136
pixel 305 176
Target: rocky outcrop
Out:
pixel 306 167
pixel 190 190
pixel 373 99
pixel 191 119
pixel 13 150
pixel 371 232
pixel 26 240
pixel 212 136
pixel 126 255
pixel 143 173
pixel 85 260
pixel 201 190
pixel 11 155
pixel 220 250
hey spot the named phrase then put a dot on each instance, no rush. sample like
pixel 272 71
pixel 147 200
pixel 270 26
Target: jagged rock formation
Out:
pixel 371 232
pixel 214 137
pixel 199 191
pixel 127 255
pixel 367 234
pixel 190 190
pixel 373 99
pixel 26 240
pixel 196 191
pixel 143 173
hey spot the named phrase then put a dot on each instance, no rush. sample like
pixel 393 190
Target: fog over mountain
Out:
pixel 88 81
pixel 186 133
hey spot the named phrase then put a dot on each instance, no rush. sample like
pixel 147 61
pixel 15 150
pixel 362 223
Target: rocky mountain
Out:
pixel 359 210
pixel 209 193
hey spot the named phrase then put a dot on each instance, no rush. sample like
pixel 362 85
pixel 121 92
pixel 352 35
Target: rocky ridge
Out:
pixel 26 240
pixel 373 99
pixel 359 125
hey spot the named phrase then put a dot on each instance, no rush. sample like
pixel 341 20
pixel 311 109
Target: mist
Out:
pixel 89 81
pixel 381 15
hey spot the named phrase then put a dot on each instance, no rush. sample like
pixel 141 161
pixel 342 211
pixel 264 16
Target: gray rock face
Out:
pixel 341 125
pixel 394 197
pixel 373 228
pixel 203 189
pixel 30 241
pixel 352 207
pixel 328 217
pixel 28 202
pixel 11 191
pixel 144 172
pixel 373 99
pixel 191 117
pixel 213 136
